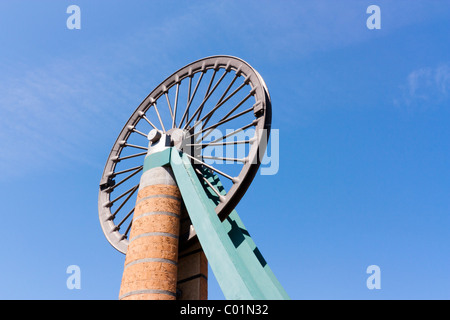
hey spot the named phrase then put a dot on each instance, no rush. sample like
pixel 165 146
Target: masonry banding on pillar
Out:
pixel 150 270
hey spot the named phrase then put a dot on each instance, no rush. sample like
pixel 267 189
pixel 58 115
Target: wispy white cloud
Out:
pixel 59 112
pixel 53 113
pixel 67 106
pixel 425 87
pixel 293 29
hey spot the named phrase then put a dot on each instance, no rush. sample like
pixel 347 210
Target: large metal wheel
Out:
pixel 217 111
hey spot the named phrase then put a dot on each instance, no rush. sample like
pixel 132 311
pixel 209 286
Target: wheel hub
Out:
pixel 177 137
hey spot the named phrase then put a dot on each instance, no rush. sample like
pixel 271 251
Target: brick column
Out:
pixel 192 266
pixel 151 263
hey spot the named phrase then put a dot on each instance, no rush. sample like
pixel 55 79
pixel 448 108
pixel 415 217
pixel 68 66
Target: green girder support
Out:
pixel 238 266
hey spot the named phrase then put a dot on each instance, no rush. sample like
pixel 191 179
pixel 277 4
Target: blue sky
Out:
pixel 363 117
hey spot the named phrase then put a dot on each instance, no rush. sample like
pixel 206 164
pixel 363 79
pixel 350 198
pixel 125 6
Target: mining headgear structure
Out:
pixel 173 178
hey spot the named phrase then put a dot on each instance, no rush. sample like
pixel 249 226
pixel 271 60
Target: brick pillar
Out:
pixel 151 263
pixel 192 266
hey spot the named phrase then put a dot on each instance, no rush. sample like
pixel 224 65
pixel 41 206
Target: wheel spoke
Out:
pixel 224 159
pixel 125 235
pixel 218 105
pixel 132 156
pixel 138 132
pixel 132 189
pixel 124 219
pixel 212 168
pixel 204 145
pixel 125 171
pixel 186 112
pixel 238 105
pixel 205 98
pixel 135 146
pixel 174 119
pixel 207 95
pixel 168 104
pixel 227 115
pixel 211 128
pixel 159 117
pixel 228 88
pixel 125 179
pixel 221 197
pixel 187 102
pixel 146 119
pixel 233 133
pixel 207 92
pixel 195 89
pixel 123 203
pixel 225 92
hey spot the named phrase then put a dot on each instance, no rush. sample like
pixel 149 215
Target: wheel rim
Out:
pixel 221 106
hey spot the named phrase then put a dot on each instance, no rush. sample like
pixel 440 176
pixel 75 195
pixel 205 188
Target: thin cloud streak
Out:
pixel 71 105
pixel 425 87
pixel 67 108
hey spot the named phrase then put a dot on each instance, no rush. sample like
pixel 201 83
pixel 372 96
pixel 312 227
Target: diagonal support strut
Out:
pixel 238 265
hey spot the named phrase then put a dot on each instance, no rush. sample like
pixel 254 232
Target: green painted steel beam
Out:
pixel 238 266
pixel 158 159
pixel 246 247
pixel 234 279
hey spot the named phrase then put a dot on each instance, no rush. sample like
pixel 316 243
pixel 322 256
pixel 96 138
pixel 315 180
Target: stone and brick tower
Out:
pixel 155 268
